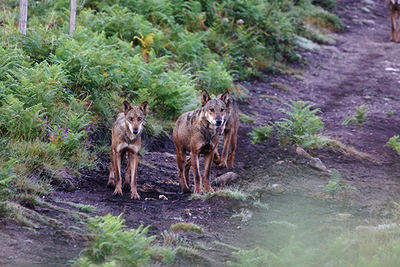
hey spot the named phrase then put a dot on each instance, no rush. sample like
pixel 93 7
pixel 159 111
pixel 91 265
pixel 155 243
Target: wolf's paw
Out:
pixel 118 191
pixel 135 195
pixel 110 183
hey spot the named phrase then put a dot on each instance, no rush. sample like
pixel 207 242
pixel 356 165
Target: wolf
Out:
pixel 126 138
pixel 198 132
pixel 230 130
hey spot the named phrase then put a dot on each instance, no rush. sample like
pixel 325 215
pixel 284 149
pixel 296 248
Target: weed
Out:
pixel 186 227
pixel 359 118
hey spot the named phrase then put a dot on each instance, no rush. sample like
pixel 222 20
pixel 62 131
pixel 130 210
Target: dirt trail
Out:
pixel 362 68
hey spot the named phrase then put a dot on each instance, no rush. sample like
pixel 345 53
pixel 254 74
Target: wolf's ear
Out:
pixel 144 107
pixel 225 98
pixel 127 107
pixel 205 97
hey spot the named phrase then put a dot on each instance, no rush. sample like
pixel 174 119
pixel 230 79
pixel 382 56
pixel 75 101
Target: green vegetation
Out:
pixel 337 185
pixel 82 207
pixel 245 118
pixel 281 86
pixel 300 128
pixel 186 227
pixel 394 143
pixel 111 244
pixel 232 193
pixel 359 118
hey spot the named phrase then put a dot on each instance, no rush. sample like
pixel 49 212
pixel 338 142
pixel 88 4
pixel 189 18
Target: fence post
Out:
pixel 23 16
pixel 72 17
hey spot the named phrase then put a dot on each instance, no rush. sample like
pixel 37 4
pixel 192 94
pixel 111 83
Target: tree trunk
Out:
pixel 23 16
pixel 72 17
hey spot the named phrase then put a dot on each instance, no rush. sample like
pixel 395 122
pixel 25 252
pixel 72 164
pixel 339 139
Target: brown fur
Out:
pixel 126 138
pixel 394 7
pixel 198 132
pixel 230 130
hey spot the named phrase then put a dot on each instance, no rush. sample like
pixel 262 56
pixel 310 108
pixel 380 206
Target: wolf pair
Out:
pixel 196 131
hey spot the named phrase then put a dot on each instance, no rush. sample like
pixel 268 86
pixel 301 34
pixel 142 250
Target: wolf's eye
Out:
pixel 211 109
pixel 129 119
pixel 222 110
pixel 139 118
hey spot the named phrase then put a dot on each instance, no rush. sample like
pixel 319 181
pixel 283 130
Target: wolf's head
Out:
pixel 135 117
pixel 215 109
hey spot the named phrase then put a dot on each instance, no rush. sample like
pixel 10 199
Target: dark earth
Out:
pixel 363 67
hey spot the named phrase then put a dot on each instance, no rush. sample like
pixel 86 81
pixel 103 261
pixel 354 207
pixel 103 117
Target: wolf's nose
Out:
pixel 219 122
pixel 135 131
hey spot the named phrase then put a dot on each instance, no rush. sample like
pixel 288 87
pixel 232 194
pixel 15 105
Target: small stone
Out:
pixel 280 162
pixel 276 188
pixel 316 163
pixel 162 197
pixel 225 179
pixel 365 9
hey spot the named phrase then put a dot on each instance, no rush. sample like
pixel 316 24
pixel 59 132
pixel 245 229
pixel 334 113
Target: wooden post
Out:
pixel 23 16
pixel 72 17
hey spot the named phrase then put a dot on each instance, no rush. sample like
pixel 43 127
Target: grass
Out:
pixel 280 86
pixel 245 118
pixel 186 227
pixel 230 193
pixel 82 207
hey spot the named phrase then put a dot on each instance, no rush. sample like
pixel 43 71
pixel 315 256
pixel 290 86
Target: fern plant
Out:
pixel 394 143
pixel 112 243
pixel 359 118
pixel 337 185
pixel 300 128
